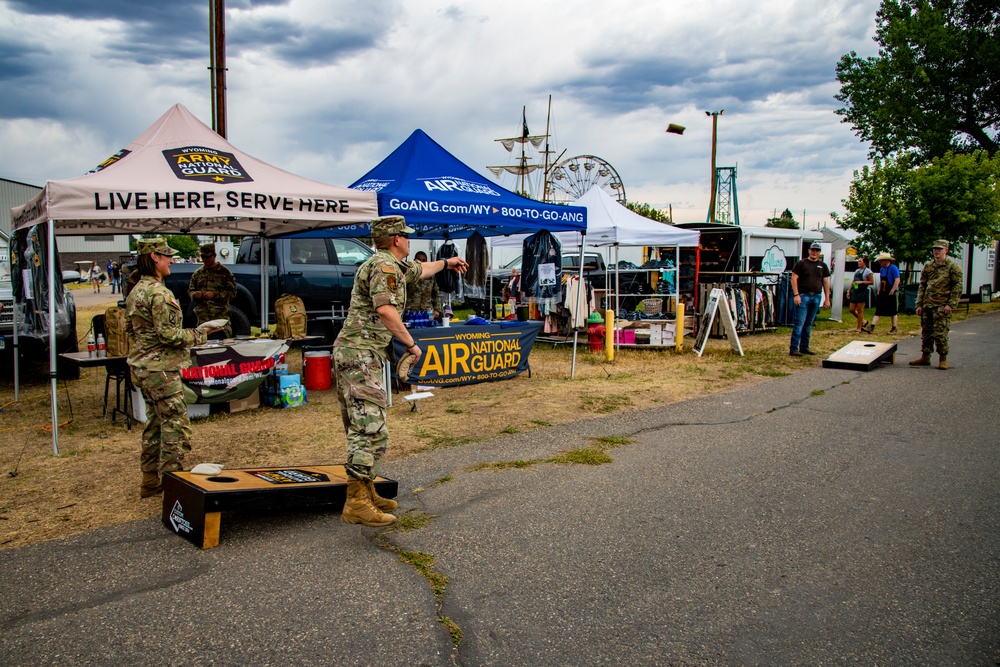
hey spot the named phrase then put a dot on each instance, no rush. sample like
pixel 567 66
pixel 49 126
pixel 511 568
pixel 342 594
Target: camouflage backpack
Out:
pixel 114 332
pixel 289 317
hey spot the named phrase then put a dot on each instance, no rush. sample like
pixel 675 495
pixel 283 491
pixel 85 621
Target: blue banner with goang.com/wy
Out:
pixel 467 354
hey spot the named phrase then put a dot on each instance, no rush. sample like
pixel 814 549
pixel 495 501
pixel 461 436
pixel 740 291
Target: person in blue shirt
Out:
pixel 886 303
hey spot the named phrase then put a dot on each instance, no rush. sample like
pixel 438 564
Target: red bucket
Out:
pixel 317 370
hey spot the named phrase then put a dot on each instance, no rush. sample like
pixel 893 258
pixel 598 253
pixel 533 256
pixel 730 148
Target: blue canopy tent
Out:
pixel 443 198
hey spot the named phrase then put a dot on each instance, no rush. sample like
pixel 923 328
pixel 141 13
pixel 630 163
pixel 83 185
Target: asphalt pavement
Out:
pixel 830 517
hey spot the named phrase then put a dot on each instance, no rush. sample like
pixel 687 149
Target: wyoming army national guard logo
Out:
pixel 198 163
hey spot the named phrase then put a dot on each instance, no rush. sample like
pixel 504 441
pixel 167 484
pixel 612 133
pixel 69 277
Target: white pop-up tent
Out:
pixel 180 177
pixel 609 224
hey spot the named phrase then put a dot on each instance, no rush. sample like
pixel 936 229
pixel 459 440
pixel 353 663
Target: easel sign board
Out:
pixel 717 303
pixel 192 504
pixel 860 355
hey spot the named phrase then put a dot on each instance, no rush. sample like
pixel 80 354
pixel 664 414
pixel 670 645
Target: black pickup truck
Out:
pixel 318 271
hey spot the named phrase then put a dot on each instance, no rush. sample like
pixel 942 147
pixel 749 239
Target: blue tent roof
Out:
pixel 442 197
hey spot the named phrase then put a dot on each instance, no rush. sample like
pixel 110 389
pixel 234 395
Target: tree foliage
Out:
pixel 783 221
pixel 647 211
pixel 934 86
pixel 902 209
pixel 185 245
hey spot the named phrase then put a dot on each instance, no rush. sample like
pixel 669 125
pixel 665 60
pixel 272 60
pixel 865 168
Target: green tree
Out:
pixel 185 245
pixel 897 207
pixel 935 84
pixel 647 211
pixel 783 221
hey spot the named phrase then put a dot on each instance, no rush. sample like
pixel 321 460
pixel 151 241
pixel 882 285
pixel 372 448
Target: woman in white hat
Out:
pixel 886 304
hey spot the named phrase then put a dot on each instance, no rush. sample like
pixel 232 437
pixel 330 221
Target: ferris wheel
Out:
pixel 573 177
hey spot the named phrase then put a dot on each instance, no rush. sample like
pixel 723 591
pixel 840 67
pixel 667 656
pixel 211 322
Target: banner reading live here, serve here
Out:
pixel 468 354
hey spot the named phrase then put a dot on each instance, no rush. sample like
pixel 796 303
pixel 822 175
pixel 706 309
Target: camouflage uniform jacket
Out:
pixel 217 279
pixel 380 281
pixel 940 285
pixel 153 321
pixel 423 295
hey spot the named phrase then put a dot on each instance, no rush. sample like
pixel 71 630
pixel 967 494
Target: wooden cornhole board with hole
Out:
pixel 862 355
pixel 192 504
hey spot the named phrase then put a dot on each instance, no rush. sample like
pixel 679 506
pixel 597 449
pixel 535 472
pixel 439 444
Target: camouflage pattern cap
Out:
pixel 941 243
pixel 207 250
pixel 157 245
pixel 389 225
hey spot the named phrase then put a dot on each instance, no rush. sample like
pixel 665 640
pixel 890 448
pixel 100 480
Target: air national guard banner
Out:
pixel 221 372
pixel 467 354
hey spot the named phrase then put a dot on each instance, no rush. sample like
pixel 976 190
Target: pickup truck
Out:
pixel 632 281
pixel 318 271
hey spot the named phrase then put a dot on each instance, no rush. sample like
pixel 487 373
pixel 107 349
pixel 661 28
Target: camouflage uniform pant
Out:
pixel 363 403
pixel 167 436
pixel 934 328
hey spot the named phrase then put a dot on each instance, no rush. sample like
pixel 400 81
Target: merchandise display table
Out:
pixel 192 504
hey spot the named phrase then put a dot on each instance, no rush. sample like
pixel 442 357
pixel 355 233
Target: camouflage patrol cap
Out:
pixel 157 245
pixel 941 243
pixel 389 225
pixel 207 250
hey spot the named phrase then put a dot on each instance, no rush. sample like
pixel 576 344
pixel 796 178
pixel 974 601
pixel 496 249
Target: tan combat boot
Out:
pixel 150 485
pixel 924 360
pixel 943 362
pixel 359 509
pixel 380 503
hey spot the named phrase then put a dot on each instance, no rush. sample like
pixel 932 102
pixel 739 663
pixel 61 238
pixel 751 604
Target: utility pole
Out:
pixel 217 63
pixel 715 134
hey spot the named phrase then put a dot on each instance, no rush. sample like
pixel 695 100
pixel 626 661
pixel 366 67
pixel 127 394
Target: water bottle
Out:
pixel 91 345
pixel 430 316
pixel 102 347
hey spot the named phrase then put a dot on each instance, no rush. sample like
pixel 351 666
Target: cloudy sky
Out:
pixel 327 88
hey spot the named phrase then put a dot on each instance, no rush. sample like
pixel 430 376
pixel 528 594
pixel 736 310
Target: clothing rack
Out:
pixel 752 298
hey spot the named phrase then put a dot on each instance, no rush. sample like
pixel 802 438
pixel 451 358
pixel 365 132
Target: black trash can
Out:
pixel 910 298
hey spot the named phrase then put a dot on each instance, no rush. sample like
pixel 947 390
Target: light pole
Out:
pixel 715 133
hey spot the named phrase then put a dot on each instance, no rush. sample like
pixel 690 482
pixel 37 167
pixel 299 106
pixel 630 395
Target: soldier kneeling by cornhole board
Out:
pixel 862 355
pixel 193 502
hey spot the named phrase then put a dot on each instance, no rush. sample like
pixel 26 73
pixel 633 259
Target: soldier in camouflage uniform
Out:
pixel 424 293
pixel 159 352
pixel 212 288
pixel 940 289
pixel 361 349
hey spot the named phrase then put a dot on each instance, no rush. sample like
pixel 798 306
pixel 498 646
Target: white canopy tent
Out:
pixel 180 177
pixel 611 225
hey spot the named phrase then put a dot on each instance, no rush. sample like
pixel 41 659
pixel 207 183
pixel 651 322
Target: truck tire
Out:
pixel 240 322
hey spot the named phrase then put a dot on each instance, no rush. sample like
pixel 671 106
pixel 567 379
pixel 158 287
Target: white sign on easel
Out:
pixel 717 303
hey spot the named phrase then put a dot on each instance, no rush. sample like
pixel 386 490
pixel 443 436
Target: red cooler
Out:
pixel 317 370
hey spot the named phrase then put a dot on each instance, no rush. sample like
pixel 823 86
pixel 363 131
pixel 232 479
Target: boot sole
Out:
pixel 347 518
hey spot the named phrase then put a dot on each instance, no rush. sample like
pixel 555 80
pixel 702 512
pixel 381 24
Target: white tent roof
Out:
pixel 180 177
pixel 609 223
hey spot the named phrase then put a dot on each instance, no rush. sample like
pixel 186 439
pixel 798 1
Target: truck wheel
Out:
pixel 240 322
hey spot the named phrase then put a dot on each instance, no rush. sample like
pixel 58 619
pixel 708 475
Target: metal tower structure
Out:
pixel 727 207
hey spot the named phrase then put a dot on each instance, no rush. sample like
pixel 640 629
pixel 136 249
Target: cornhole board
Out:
pixel 862 355
pixel 192 504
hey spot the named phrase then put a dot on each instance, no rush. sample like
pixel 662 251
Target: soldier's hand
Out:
pixel 209 294
pixel 919 309
pixel 196 295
